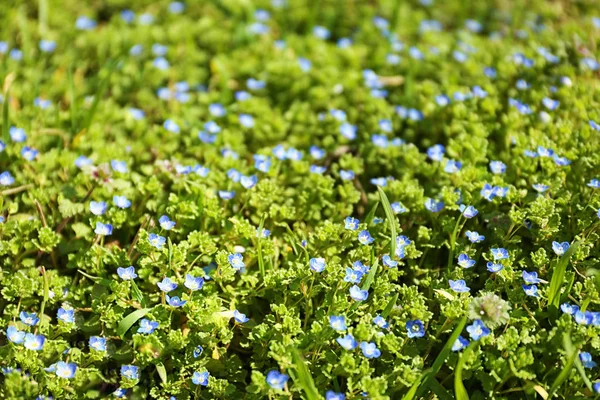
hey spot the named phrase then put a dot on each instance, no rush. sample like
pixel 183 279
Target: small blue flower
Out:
pixel 236 260
pixel 381 322
pixel 176 7
pixel 436 152
pixel 6 179
pixel 586 359
pixel 488 192
pixel 550 104
pixel 358 266
pixel 130 372
pixel 499 253
pixel 171 126
pixel 277 380
pixel 583 317
pixel 47 46
pixel 321 32
pixel 317 264
pixel 246 120
pixel 477 330
pixel 265 233
pixel 66 315
pixel 353 275
pixel 157 240
pixel 415 328
pixel 17 135
pixel 494 267
pixel 316 152
pixel 41 103
pixel 357 294
pixel 193 283
pixel 97 207
pixel 497 167
pixel 331 395
pixel 226 195
pixel 30 319
pixel 147 326
pixel 84 23
pixel 200 378
pixel 370 350
pixel 441 100
pixel 34 342
pixel 347 342
pixel 468 212
pixel 596 387
pixel 239 317
pixel 433 205
pixel 464 261
pixel 403 241
pixel 166 223
pixel 175 301
pixel 351 223
pixel 162 64
pixel 262 163
pixel 119 166
pixel 167 285
pixel 594 184
pixel 198 351
pixel 530 277
pixel 346 175
pixel 474 237
pixel 97 343
pixel 459 286
pixel 540 188
pixel 348 131
pixel 452 166
pixel 65 370
pixel 29 153
pixel 316 169
pixel 530 290
pixel 560 248
pixel 398 208
pixel 103 229
pixel 15 335
pixel 365 238
pixel 338 322
pixel 569 308
pixel 121 202
pixel 389 262
pixel 460 343
pixel 82 161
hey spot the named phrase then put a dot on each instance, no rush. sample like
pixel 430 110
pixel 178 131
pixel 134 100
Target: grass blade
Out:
pixel 459 388
pixel 162 372
pixel 391 219
pixel 129 320
pixel 261 262
pixel 304 378
pixel 570 349
pixel 99 93
pixel 566 370
pixel 558 276
pixel 371 215
pixel 137 294
pixel 390 305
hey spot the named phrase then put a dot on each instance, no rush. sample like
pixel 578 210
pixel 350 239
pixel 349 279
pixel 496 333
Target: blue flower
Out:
pixel 130 372
pixel 586 359
pixel 65 370
pixel 321 32
pixel 497 167
pixel 530 290
pixel 157 240
pixel 474 237
pixel 348 130
pixel 331 395
pixel 530 277
pixel 452 166
pixel 317 264
pixel 357 294
pixel 316 169
pixel 97 343
pixel 594 184
pixel 583 317
pixel 193 283
pixel 34 342
pixel 167 285
pixel 265 233
pixel 17 134
pixel 441 100
pixel 468 212
pixel 436 152
pixel 166 223
pixel 433 205
pixel 128 16
pixel 388 261
pixel 30 319
pixel 47 46
pixel 41 103
pixel 560 248
pixel 262 163
pixel 346 175
pixel 97 207
pixel 6 179
pixel 351 223
pixel 119 166
pixel 353 275
pixel 121 202
pixel 569 308
pixel 175 301
pixel 358 266
pixel 2 146
pixel 477 330
pixel 147 326
pixel 370 350
pixel 459 286
pixel 550 104
pixel 347 342
pixel 146 19
pixel 464 261
pixel 494 267
pixel 398 208
pixel 316 152
pixel 277 380
pixel 176 7
pixel 460 343
pixel 66 315
pixel 103 229
pixel 15 335
pixel 488 192
pixel 540 188
pixel 239 317
pixel 226 195
pixel 364 237
pixel 246 120
pixel 162 64
pixel 236 260
pixel 84 23
pixel 242 95
pixel 29 153
pixel 499 253
pixel 379 182
pixel 415 328
pixel 82 161
pixel 402 241
pixel 255 84
pixel 381 322
pixel 338 322
pixel 198 351
pixel 200 378
pixel 169 124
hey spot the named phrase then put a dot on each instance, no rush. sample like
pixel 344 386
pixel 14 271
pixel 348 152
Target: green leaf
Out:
pixel 371 276
pixel 390 305
pixel 570 349
pixel 558 276
pixel 389 213
pixel 304 379
pixel 162 372
pixel 261 262
pixel 129 320
pixel 137 294
pixel 371 215
pixel 459 388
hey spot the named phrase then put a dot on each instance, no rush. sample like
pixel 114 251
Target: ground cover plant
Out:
pixel 299 199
